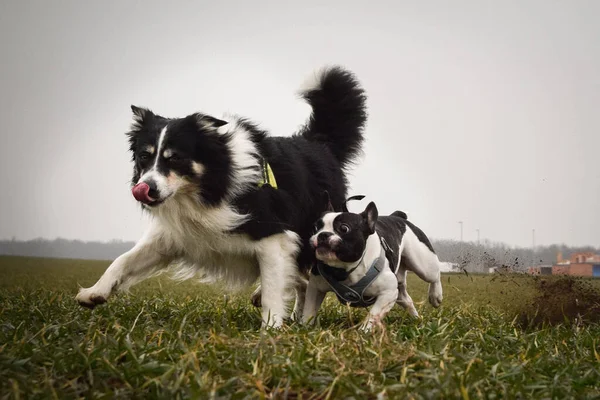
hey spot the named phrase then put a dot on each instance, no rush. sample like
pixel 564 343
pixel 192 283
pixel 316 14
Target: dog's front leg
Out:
pixel 384 303
pixel 301 285
pixel 314 298
pixel 256 298
pixel 278 275
pixel 129 268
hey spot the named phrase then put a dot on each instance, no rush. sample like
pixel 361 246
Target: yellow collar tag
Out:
pixel 268 177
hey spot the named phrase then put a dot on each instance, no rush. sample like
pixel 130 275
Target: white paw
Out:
pixel 372 321
pixel 412 311
pixel 308 320
pixel 366 327
pixel 435 294
pixel 271 322
pixel 90 298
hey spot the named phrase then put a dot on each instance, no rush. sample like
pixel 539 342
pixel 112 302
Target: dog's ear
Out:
pixel 370 217
pixel 327 206
pixel 140 116
pixel 206 121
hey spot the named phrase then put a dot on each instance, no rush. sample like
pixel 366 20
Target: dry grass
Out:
pixel 168 340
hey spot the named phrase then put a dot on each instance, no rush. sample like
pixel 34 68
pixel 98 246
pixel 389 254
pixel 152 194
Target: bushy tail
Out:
pixel 338 112
pixel 400 214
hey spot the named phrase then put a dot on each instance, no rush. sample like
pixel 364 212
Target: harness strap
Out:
pixel 268 177
pixel 354 295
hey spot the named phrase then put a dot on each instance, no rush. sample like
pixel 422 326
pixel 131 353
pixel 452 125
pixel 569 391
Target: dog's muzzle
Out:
pixel 145 193
pixel 321 240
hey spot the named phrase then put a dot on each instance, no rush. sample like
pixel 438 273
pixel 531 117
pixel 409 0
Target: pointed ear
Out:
pixel 326 201
pixel 206 121
pixel 140 115
pixel 370 217
pixel 217 123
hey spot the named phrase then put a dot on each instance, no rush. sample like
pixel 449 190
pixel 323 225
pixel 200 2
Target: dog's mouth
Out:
pixel 145 195
pixel 325 253
pixel 153 203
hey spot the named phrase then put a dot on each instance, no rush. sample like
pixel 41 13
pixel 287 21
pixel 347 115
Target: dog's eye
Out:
pixel 344 228
pixel 145 156
pixel 175 158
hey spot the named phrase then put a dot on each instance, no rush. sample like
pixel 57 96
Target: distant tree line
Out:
pixel 471 256
pixel 64 248
pixel 480 257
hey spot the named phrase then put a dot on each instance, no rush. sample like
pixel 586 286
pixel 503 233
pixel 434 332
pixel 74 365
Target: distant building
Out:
pixel 584 264
pixel 540 270
pixel 585 269
pixel 584 258
pixel 561 270
pixel 449 267
pixel 579 264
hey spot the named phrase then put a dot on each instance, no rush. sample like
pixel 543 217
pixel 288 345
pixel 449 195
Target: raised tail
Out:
pixel 400 214
pixel 339 112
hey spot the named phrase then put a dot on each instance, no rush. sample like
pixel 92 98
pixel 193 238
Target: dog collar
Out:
pixel 354 295
pixel 268 177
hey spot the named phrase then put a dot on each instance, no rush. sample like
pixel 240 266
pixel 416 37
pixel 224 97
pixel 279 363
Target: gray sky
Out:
pixel 480 111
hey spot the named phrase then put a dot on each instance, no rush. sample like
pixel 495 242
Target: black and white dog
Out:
pixel 364 258
pixel 231 204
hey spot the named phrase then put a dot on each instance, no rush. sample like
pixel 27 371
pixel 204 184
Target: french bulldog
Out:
pixel 364 259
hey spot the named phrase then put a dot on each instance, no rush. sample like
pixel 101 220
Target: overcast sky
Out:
pixel 482 111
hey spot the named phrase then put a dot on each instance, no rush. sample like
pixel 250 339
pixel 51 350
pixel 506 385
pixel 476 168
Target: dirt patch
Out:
pixel 562 299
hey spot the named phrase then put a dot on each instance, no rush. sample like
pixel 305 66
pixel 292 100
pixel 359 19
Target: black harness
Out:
pixel 354 295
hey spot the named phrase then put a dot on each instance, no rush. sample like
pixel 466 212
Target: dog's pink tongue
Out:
pixel 140 192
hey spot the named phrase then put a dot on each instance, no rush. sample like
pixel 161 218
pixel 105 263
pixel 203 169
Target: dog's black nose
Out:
pixel 323 238
pixel 153 192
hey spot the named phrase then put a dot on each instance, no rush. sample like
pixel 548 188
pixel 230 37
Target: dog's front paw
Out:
pixel 366 327
pixel 370 323
pixel 89 298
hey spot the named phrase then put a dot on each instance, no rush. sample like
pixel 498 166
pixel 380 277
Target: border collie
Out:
pixel 230 203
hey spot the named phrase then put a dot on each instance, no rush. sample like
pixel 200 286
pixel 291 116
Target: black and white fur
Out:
pixel 347 240
pixel 197 177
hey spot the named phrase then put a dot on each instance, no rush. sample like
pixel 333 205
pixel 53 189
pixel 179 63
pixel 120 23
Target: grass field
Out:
pixel 181 340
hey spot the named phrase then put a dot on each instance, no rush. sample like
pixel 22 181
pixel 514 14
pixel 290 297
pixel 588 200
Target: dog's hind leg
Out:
pixel 404 298
pixel 425 264
pixel 436 293
pixel 278 272
pixel 429 271
pixel 140 262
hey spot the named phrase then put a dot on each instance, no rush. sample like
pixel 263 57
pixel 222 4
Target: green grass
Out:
pixel 181 340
